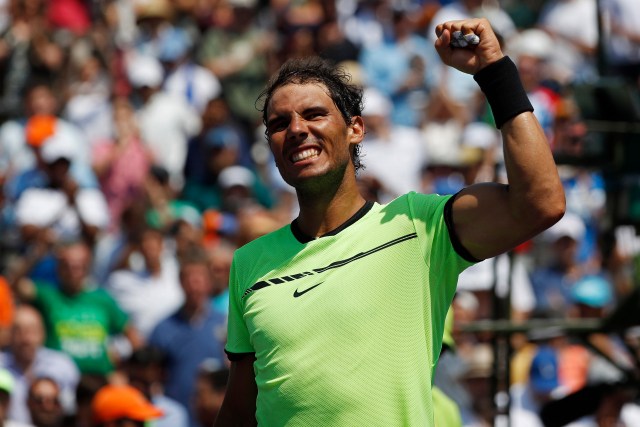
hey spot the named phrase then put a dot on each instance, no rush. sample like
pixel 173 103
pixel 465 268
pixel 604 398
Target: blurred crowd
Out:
pixel 133 162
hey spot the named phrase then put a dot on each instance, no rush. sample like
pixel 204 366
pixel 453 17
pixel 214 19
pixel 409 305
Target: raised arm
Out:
pixel 492 218
pixel 239 405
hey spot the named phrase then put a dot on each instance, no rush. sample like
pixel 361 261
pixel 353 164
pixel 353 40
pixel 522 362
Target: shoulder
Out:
pixel 282 235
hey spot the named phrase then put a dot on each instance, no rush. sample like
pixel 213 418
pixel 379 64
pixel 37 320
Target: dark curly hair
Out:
pixel 346 96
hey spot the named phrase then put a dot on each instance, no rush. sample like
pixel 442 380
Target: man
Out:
pixel 44 403
pixel 79 320
pixel 151 293
pixel 338 318
pixel 192 334
pixel 145 371
pixel 27 358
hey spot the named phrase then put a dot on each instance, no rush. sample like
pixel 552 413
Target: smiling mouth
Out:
pixel 305 154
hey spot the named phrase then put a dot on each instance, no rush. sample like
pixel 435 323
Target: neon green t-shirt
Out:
pixel 347 328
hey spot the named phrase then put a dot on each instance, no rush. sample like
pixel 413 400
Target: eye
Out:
pixel 276 126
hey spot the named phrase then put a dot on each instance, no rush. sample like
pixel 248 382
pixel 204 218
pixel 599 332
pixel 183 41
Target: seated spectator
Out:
pixel 553 278
pixel 394 153
pixel 79 319
pixel 166 122
pixel 215 151
pixel 121 164
pixel 27 358
pixel 210 387
pixel 145 370
pixel 44 403
pixel 192 334
pixel 122 406
pixel 61 207
pixel 150 291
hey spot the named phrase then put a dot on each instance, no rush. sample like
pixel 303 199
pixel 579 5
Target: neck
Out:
pixel 320 213
pixel 191 311
pixel 24 362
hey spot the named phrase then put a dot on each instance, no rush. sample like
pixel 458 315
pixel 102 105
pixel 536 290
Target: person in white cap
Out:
pixel 337 319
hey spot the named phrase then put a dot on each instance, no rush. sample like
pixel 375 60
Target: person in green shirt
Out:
pixel 79 318
pixel 337 319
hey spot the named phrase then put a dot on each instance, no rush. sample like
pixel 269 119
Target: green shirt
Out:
pixel 80 325
pixel 347 328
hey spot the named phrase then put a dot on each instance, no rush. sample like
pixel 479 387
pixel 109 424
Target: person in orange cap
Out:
pixel 122 406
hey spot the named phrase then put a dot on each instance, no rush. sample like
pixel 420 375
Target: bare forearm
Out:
pixel 535 191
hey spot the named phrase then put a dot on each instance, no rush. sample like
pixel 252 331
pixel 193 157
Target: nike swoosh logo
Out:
pixel 296 294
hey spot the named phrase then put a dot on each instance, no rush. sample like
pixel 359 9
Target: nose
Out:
pixel 297 128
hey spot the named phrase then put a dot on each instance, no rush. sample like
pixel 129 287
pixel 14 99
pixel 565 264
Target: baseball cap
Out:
pixel 58 147
pixel 236 176
pixel 38 128
pixel 375 103
pixel 6 381
pixel 543 374
pixel 113 402
pixel 594 291
pixel 144 70
pixel 571 225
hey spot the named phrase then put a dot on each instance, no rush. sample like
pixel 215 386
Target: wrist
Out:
pixel 500 82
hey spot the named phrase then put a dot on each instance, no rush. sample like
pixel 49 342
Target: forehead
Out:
pixel 297 96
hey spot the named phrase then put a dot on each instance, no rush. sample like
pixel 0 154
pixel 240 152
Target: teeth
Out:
pixel 305 154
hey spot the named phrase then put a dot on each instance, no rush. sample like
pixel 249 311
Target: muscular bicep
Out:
pixel 239 405
pixel 485 223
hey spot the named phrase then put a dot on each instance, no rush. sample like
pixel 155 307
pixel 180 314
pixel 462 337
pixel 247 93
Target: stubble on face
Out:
pixel 302 119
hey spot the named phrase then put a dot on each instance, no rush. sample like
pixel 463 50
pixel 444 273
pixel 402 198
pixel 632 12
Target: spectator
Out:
pixel 554 277
pixel 573 24
pixel 61 208
pixel 121 164
pixel 623 43
pixel 44 403
pixel 77 308
pixel 122 406
pixel 395 153
pixel 166 122
pixel 27 360
pixel 210 387
pixel 237 51
pixel 145 370
pixel 185 79
pixel 404 68
pixel 6 388
pixel 148 291
pixel 192 334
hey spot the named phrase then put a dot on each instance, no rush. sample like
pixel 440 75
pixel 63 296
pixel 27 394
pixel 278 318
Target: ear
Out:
pixel 356 131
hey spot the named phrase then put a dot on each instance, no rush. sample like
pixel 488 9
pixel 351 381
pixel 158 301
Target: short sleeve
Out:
pixel 238 339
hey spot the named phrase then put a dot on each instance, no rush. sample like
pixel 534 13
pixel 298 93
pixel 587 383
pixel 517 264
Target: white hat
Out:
pixel 144 70
pixel 235 176
pixel 480 135
pixel 531 42
pixel 571 225
pixel 58 147
pixel 375 103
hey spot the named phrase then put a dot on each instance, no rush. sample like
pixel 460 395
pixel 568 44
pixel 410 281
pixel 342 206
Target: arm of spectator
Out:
pixel 88 231
pixel 134 337
pixel 490 219
pixel 239 405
